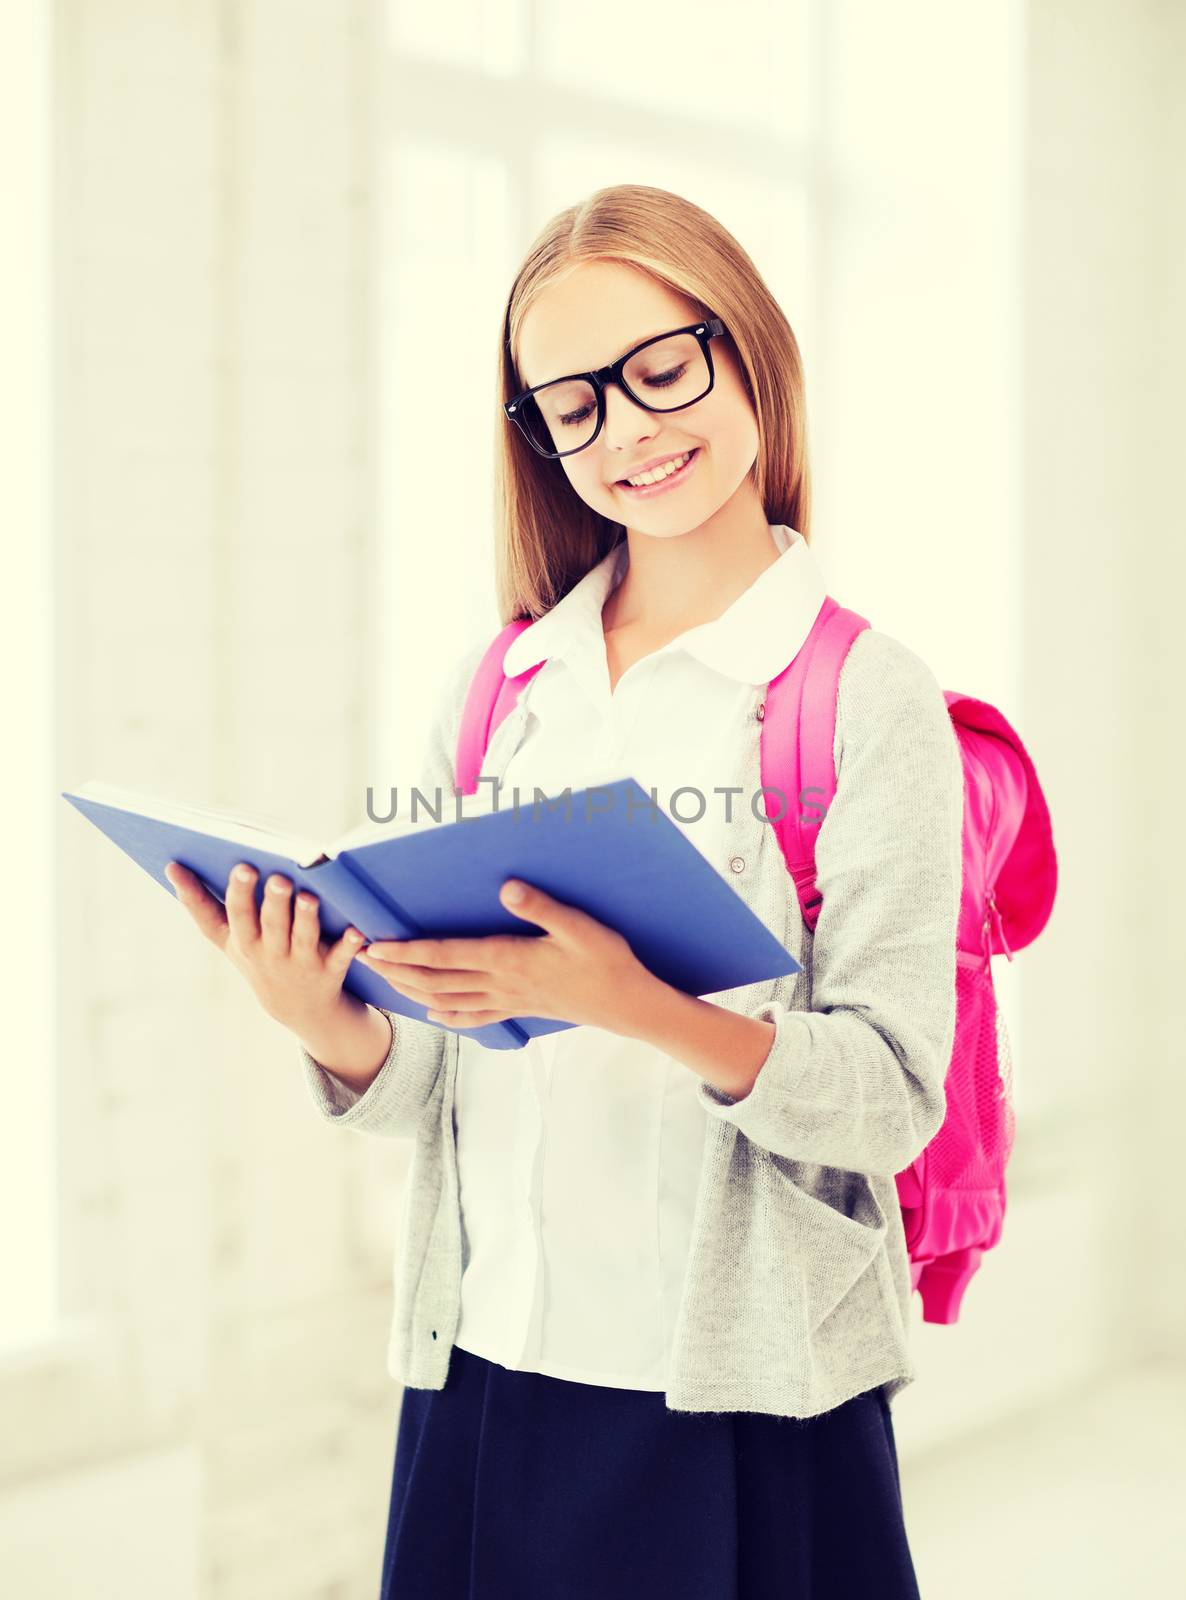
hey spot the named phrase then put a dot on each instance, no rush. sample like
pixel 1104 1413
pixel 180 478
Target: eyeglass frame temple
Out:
pixel 706 329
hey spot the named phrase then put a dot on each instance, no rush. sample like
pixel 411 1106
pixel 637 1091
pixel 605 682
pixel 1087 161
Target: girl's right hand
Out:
pixel 295 975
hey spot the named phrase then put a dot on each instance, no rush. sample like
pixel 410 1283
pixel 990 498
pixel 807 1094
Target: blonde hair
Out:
pixel 546 537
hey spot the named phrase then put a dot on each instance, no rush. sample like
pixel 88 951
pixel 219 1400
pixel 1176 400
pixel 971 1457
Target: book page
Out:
pixel 247 828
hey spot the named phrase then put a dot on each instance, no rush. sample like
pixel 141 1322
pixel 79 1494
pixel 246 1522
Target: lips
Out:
pixel 665 483
pixel 659 461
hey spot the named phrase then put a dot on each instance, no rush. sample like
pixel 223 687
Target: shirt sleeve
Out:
pixel 858 1080
pixel 395 1100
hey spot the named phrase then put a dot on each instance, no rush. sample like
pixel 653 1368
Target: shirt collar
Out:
pixel 758 635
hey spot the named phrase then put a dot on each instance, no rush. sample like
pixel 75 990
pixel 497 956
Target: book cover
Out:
pixel 605 849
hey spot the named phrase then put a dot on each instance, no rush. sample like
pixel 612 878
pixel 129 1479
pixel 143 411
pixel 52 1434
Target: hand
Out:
pixel 295 975
pixel 577 971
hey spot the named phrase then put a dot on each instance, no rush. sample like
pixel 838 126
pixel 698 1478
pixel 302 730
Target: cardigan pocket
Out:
pixel 836 1224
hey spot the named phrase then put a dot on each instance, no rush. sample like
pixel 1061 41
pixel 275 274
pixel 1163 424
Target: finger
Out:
pixel 462 955
pixel 199 902
pixel 465 1019
pixel 534 905
pixel 344 951
pixel 426 983
pixel 427 977
pixel 240 904
pixel 426 988
pixel 306 927
pixel 461 1001
pixel 408 989
pixel 411 991
pixel 275 917
pixel 397 978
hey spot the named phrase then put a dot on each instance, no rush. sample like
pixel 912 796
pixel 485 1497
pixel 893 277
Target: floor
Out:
pixel 1079 1502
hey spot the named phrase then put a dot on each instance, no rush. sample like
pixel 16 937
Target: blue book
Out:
pixel 605 849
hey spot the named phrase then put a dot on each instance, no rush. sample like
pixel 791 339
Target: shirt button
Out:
pixel 761 711
pixel 737 864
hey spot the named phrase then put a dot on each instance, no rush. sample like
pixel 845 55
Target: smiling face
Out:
pixel 590 318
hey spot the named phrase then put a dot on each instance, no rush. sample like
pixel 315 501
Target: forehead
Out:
pixel 593 315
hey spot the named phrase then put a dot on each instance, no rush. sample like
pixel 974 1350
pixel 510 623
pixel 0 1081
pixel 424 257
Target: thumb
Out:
pixel 534 905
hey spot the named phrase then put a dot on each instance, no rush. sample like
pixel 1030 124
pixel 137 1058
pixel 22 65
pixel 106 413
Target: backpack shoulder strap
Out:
pixel 490 695
pixel 797 746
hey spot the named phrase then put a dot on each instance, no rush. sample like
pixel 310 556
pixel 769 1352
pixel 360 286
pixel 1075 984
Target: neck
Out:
pixel 685 579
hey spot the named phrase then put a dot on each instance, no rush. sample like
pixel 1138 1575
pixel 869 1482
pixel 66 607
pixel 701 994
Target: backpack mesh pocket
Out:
pixel 973 1145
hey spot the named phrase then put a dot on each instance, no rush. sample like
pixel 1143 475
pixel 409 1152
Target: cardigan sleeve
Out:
pixel 394 1101
pixel 857 1081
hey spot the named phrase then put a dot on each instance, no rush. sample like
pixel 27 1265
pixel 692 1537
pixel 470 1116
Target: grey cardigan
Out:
pixel 797 1292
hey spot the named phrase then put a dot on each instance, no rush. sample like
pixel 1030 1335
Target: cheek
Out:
pixel 722 430
pixel 731 427
pixel 588 483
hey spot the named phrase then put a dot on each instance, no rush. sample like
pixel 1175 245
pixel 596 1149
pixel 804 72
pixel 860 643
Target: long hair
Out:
pixel 546 537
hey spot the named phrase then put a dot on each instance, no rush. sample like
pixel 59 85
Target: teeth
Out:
pixel 660 473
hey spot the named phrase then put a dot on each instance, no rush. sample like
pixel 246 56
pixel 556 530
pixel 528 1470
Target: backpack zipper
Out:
pixel 992 913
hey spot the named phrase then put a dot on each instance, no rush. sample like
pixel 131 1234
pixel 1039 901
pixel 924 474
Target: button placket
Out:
pixel 529 1333
pixel 507 738
pixel 742 835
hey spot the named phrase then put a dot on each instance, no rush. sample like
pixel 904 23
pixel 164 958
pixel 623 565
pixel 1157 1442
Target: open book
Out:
pixel 605 849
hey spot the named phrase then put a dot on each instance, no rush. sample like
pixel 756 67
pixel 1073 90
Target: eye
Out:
pixel 665 379
pixel 568 418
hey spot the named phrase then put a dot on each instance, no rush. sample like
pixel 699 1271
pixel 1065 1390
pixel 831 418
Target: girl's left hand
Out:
pixel 578 971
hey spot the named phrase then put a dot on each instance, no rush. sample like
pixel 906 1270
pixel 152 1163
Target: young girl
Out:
pixel 652 1299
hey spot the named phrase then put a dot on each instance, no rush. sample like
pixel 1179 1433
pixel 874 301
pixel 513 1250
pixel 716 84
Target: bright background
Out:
pixel 252 250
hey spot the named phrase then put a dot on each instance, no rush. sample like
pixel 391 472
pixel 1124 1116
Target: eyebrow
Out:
pixel 625 350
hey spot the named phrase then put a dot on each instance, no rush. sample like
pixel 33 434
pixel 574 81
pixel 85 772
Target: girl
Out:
pixel 652 1297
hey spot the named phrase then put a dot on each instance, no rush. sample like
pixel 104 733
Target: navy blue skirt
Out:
pixel 530 1487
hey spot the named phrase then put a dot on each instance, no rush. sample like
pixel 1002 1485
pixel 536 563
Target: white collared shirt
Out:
pixel 579 1156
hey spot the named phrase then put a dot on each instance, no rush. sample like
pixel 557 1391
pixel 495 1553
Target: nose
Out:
pixel 626 421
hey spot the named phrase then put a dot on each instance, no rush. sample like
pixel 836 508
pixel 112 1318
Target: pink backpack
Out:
pixel 953 1195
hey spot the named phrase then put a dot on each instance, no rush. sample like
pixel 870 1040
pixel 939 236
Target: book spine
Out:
pixel 364 892
pixel 355 898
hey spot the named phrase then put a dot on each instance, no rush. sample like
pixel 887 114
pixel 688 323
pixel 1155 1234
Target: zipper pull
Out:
pixel 1000 926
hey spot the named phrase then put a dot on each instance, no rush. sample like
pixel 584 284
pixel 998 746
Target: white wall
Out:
pixel 226 1258
pixel 1106 565
pixel 28 669
pixel 1003 350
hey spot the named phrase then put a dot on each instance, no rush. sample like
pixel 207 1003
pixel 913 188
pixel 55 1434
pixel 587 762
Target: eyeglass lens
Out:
pixel 673 372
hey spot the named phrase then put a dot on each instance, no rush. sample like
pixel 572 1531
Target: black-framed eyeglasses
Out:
pixel 571 411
